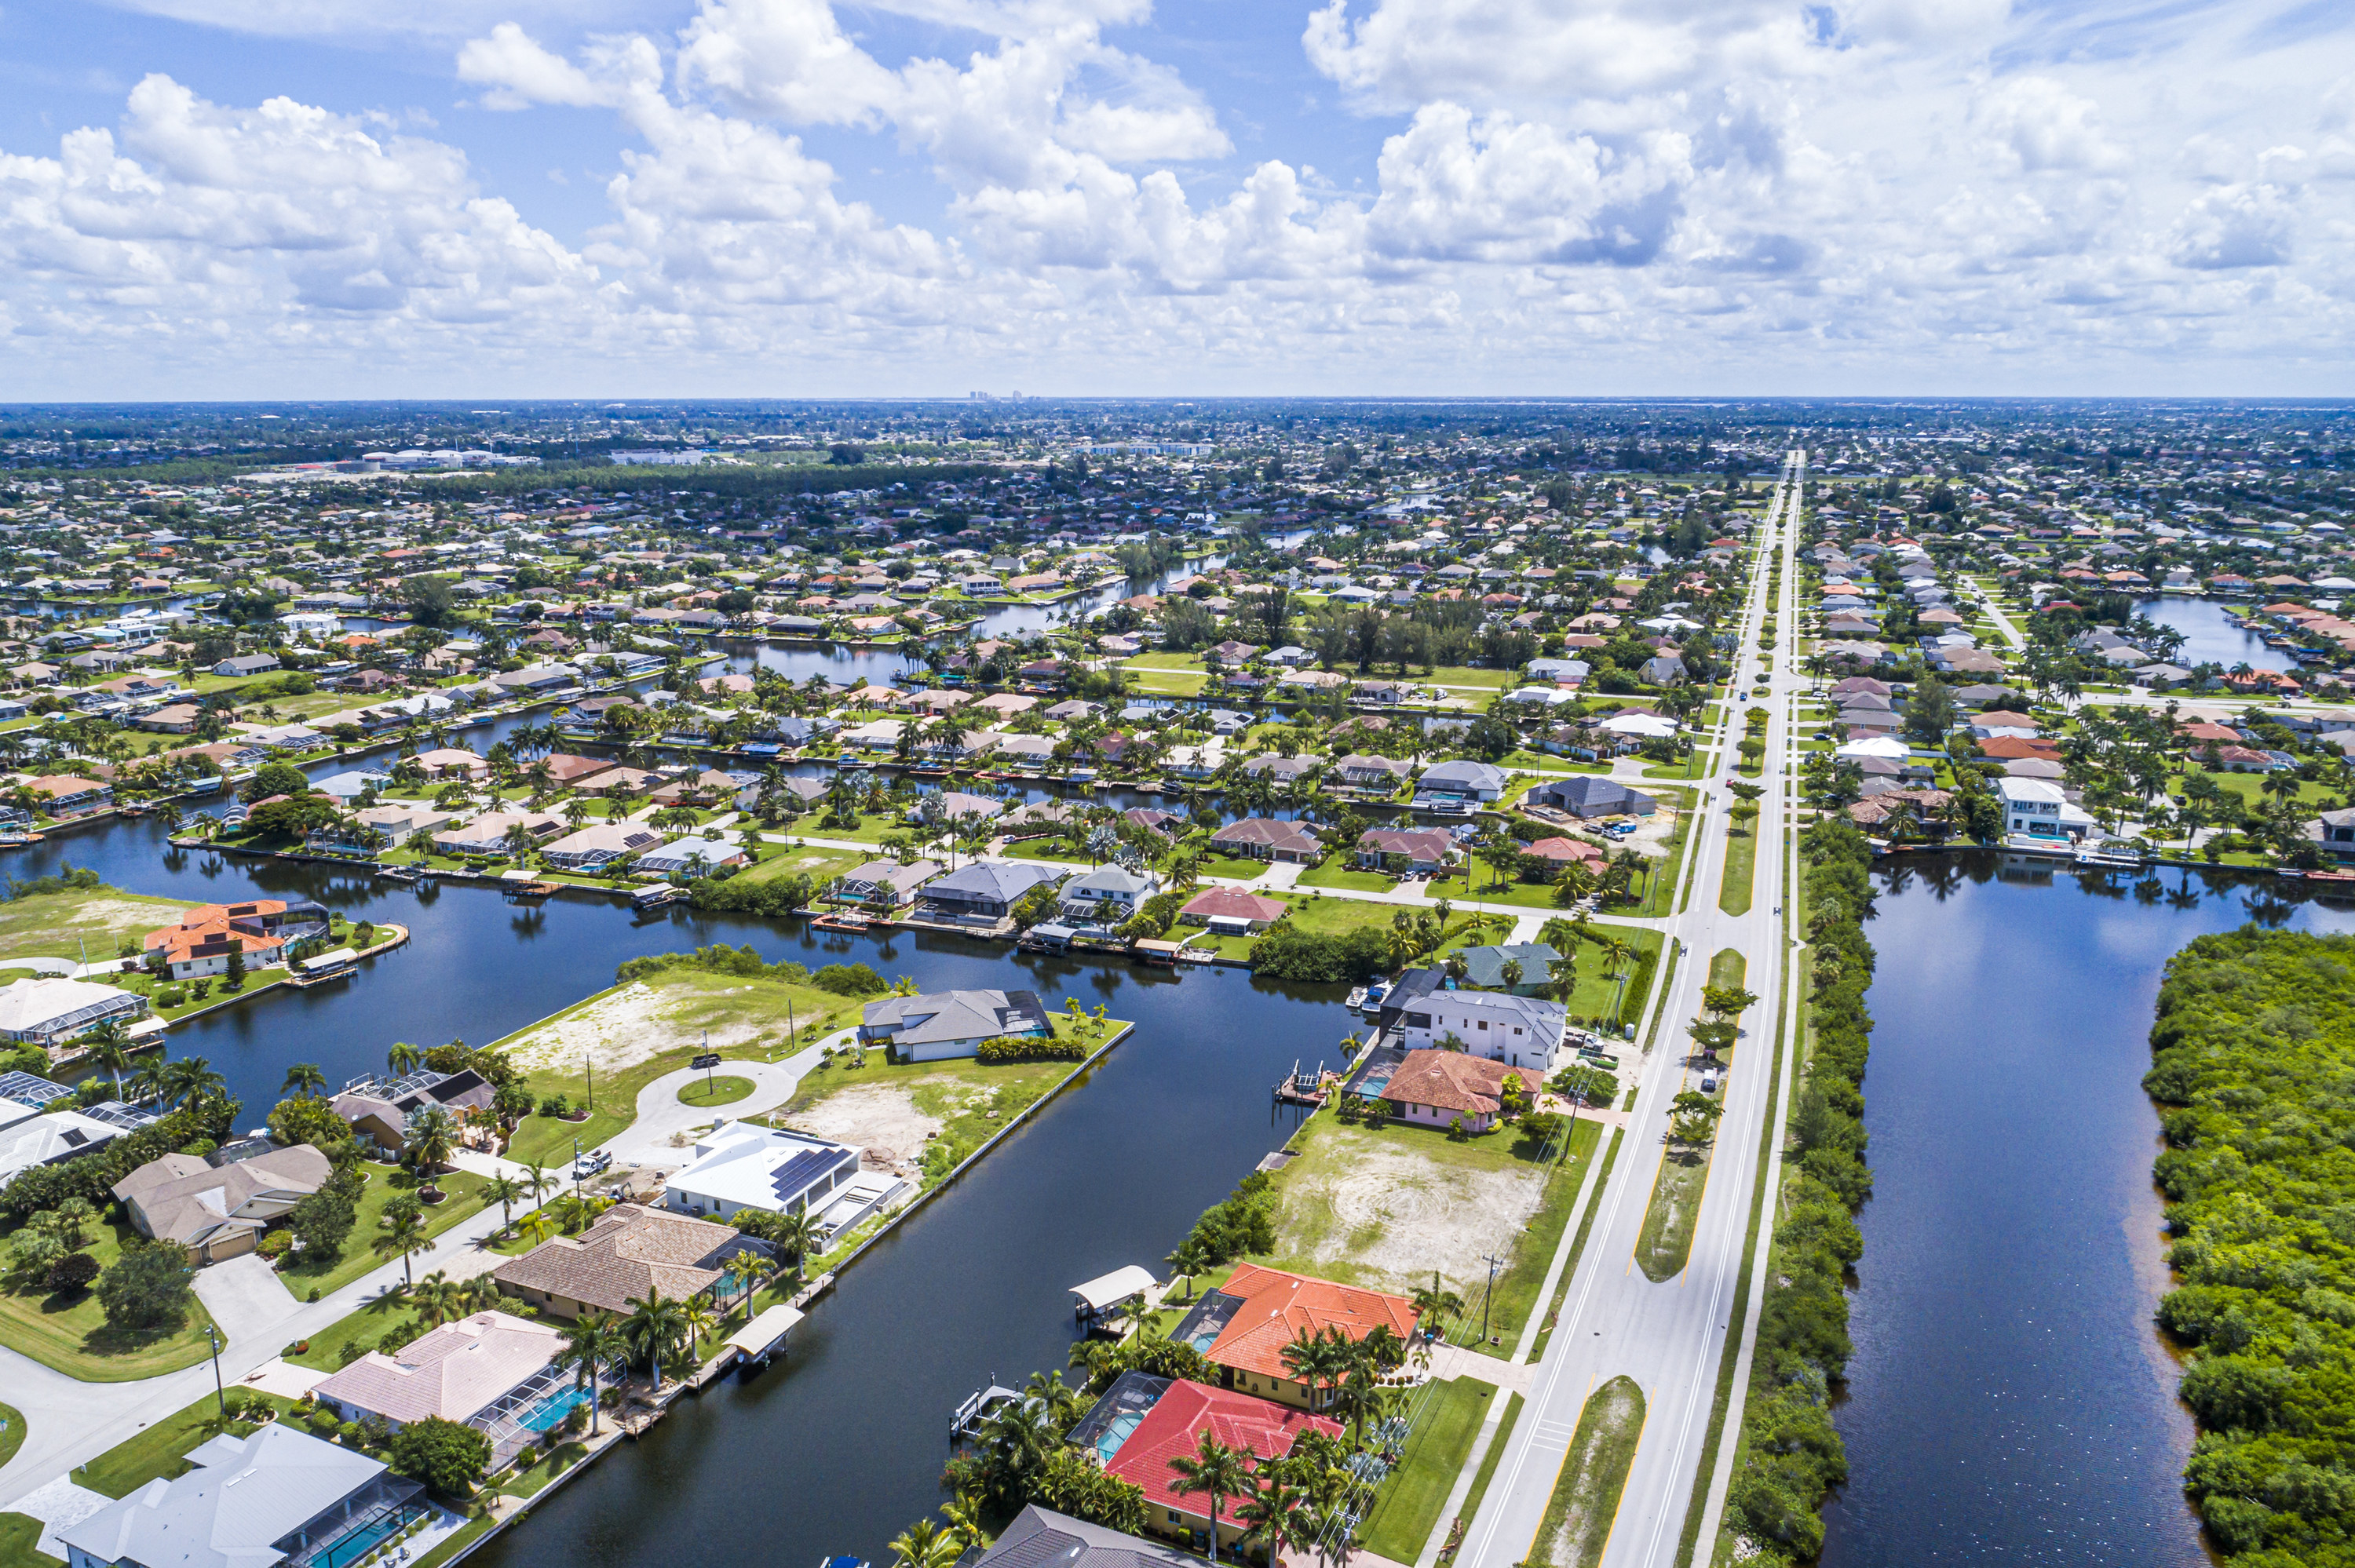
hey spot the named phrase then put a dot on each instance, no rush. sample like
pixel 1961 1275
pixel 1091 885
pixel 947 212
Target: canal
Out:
pixel 838 1448
pixel 2209 638
pixel 2008 1400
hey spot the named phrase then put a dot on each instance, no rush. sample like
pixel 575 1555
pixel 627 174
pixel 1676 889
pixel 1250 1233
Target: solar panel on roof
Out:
pixel 804 1168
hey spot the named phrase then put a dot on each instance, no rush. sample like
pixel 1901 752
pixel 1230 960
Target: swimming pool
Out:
pixel 551 1410
pixel 1117 1432
pixel 361 1542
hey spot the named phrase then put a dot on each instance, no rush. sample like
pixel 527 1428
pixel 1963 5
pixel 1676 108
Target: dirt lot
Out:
pixel 1387 1208
pixel 868 1116
pixel 645 1018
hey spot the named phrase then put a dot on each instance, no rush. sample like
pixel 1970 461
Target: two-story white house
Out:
pixel 1519 1030
pixel 2036 808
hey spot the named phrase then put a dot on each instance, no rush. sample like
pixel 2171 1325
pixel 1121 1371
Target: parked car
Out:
pixel 590 1163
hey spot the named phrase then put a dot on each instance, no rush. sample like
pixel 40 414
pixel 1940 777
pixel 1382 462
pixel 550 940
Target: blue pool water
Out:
pixel 551 1411
pixel 360 1542
pixel 1116 1433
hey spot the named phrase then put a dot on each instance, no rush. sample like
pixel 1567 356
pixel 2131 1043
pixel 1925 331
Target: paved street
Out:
pixel 1669 1337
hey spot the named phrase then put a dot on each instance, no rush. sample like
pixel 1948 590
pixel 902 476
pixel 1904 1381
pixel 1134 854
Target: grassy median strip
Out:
pixel 1410 1499
pixel 1585 1499
pixel 1665 1243
pixel 1741 868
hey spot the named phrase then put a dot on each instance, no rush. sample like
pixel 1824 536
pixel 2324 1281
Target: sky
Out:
pixel 324 199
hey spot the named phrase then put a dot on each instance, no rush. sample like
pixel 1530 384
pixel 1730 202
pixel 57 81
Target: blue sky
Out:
pixel 320 197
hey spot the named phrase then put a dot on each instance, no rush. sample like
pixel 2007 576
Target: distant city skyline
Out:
pixel 307 198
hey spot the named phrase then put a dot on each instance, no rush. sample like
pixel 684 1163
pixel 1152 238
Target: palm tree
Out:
pixel 1061 1402
pixel 925 1544
pixel 1274 1514
pixel 190 1078
pixel 402 1235
pixel 653 1326
pixel 699 1318
pixel 438 1299
pixel 433 1137
pixel 796 1236
pixel 538 1181
pixel 503 1190
pixel 1435 1304
pixel 591 1341
pixel 304 1079
pixel 1215 1469
pixel 404 1058
pixel 111 1048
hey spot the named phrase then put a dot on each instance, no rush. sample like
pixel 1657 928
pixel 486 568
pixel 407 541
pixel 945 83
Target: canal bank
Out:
pixel 2009 1399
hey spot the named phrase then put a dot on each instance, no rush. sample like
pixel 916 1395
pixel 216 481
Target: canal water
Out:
pixel 2009 1401
pixel 2209 638
pixel 839 1446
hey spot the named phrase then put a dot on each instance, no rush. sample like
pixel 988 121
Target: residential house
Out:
pixel 1360 770
pixel 600 844
pixel 379 1111
pixel 247 664
pixel 884 885
pixel 1039 1537
pixel 1232 911
pixel 983 891
pixel 69 796
pixel 629 1251
pixel 685 860
pixel 1460 783
pixel 50 1010
pixel 1108 894
pixel 217 1212
pixel 1175 1426
pixel 491 1370
pixel 1242 1327
pixel 1268 838
pixel 1405 849
pixel 1519 1031
pixel 942 1024
pixel 738 1166
pixel 1589 795
pixel 53 1137
pixel 1438 1088
pixel 1484 967
pixel 260 930
pixel 278 1495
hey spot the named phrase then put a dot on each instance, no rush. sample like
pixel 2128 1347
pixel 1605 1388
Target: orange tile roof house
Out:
pixel 199 944
pixel 1242 1327
pixel 630 1251
pixel 1171 1429
pixel 1432 1087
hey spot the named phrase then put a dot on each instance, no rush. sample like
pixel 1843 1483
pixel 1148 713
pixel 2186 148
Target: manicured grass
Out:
pixel 820 865
pixel 1472 1499
pixel 1337 874
pixel 1578 1247
pixel 72 1335
pixel 12 1433
pixel 464 1537
pixel 1666 1241
pixel 1465 676
pixel 465 1196
pixel 1585 1499
pixel 160 1452
pixel 716 1090
pixel 1728 968
pixel 1166 674
pixel 1517 1287
pixel 384 1321
pixel 1733 892
pixel 83 925
pixel 552 1463
pixel 20 1537
pixel 1409 1502
pixel 1232 866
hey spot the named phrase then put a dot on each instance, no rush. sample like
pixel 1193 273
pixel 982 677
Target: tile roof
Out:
pixel 453 1371
pixel 1455 1080
pixel 1171 1428
pixel 1278 1308
pixel 630 1250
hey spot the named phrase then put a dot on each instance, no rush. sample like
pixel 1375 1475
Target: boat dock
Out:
pixel 1097 1297
pixel 752 1346
pixel 1302 1089
pixel 978 1408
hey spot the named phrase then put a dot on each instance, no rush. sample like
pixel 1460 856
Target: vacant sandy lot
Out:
pixel 870 1115
pixel 1391 1216
pixel 633 1025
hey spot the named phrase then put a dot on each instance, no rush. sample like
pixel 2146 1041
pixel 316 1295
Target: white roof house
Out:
pixel 49 1008
pixel 738 1166
pixel 249 1502
pixel 1519 1030
pixel 52 1139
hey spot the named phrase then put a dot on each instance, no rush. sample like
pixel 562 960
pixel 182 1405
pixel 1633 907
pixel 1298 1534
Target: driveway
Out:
pixel 247 1299
pixel 663 1116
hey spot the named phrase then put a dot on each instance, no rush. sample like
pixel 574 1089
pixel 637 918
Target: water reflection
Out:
pixel 2008 1400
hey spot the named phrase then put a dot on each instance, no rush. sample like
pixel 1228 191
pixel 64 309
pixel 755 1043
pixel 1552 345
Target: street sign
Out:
pixel 710 1059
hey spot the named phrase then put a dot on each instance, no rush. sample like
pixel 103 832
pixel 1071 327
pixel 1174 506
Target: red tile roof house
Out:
pixel 1231 911
pixel 1434 1087
pixel 1259 1311
pixel 1171 1430
pixel 1553 855
pixel 1266 838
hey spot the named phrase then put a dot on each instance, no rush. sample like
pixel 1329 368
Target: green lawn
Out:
pixel 1585 1501
pixel 1337 873
pixel 20 1536
pixel 86 927
pixel 12 1434
pixel 1733 892
pixel 1234 866
pixel 384 1321
pixel 1465 676
pixel 552 1463
pixel 464 1190
pixel 1166 674
pixel 1407 1507
pixel 72 1337
pixel 160 1452
pixel 715 1089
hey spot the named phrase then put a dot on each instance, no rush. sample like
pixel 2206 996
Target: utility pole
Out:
pixel 1489 1295
pixel 219 1393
